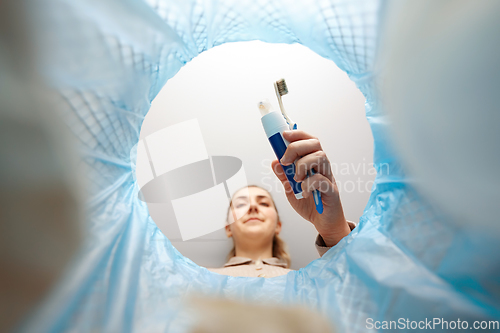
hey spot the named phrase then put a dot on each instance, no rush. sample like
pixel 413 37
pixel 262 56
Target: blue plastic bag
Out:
pixel 110 59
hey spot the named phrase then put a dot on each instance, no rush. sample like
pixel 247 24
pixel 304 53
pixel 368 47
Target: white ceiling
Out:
pixel 221 88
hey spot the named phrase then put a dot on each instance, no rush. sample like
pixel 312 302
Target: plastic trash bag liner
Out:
pixel 108 60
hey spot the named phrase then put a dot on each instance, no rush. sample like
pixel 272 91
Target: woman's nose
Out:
pixel 253 206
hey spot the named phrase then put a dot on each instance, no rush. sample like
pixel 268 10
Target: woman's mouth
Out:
pixel 253 219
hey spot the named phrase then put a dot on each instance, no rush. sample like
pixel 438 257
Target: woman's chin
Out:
pixel 256 232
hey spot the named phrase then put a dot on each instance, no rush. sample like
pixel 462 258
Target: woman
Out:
pixel 253 220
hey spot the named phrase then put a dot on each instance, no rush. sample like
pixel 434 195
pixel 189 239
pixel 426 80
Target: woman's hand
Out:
pixel 306 149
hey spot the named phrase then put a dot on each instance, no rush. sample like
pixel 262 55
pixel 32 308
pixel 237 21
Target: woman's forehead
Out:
pixel 252 192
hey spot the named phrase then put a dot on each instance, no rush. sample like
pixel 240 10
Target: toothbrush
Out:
pixel 281 89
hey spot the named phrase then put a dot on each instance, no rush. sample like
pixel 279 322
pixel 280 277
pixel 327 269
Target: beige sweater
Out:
pixel 270 267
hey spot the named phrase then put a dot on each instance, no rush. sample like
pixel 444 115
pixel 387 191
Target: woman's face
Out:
pixel 252 215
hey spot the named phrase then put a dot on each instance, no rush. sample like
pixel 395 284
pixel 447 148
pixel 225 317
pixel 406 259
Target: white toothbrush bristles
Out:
pixel 281 89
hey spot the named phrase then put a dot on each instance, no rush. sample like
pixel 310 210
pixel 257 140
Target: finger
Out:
pixel 317 161
pixel 317 182
pixel 298 149
pixel 295 135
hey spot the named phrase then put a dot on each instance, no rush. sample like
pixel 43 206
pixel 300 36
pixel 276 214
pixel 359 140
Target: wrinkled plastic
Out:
pixel 109 60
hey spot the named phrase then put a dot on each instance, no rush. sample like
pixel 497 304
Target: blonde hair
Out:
pixel 280 249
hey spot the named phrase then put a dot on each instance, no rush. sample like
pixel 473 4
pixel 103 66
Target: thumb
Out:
pixel 278 170
pixel 280 173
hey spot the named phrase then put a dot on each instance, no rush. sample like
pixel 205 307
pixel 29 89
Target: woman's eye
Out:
pixel 265 204
pixel 240 205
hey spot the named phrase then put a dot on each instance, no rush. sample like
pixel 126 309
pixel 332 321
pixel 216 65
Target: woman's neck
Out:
pixel 254 252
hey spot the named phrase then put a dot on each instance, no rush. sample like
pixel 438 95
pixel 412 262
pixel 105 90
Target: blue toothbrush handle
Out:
pixel 316 194
pixel 317 197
